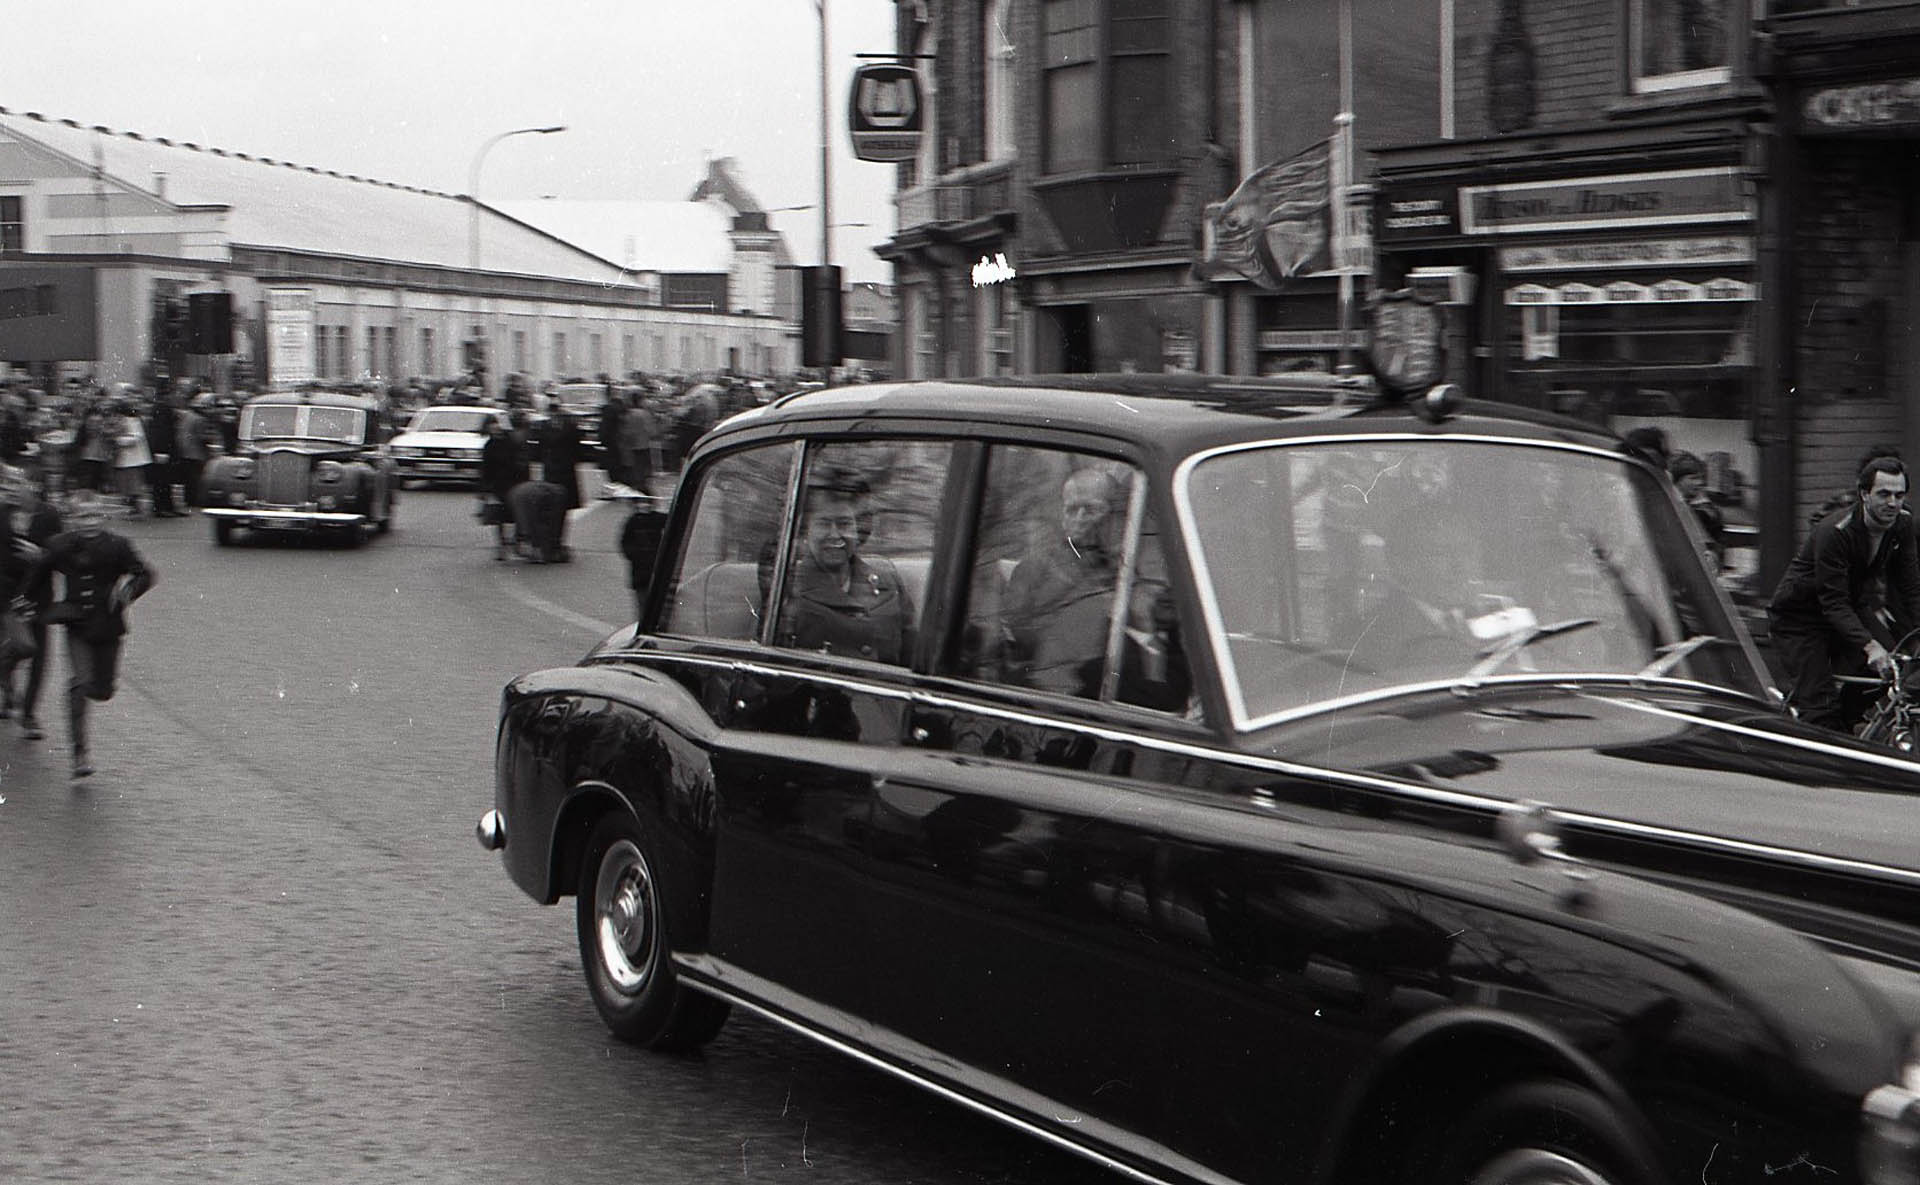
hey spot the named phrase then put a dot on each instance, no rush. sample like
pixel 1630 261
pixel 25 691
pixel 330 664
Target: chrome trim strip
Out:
pixel 716 978
pixel 1871 756
pixel 316 516
pixel 1493 806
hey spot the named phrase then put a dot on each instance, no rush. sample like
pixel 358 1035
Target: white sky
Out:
pixel 409 90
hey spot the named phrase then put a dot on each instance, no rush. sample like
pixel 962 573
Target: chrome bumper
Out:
pixel 334 518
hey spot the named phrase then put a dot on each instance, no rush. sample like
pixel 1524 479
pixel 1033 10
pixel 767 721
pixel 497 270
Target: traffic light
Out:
pixel 210 323
pixel 820 316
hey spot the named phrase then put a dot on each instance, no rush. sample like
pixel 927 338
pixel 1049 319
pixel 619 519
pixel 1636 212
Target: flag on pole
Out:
pixel 1276 225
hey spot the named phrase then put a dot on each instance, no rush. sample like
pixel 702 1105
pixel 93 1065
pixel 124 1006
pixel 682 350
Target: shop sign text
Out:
pixel 1628 253
pixel 1677 197
pixel 1865 105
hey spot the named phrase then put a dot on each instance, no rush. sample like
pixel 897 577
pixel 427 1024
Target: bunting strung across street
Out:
pixel 1276 225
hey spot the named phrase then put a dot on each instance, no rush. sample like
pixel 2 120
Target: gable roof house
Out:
pixel 330 275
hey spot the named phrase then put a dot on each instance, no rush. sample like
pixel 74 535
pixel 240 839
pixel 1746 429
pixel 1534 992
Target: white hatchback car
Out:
pixel 443 443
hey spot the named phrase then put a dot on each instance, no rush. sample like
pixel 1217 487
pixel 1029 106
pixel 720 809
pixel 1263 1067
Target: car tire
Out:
pixel 222 533
pixel 625 944
pixel 1535 1133
pixel 385 525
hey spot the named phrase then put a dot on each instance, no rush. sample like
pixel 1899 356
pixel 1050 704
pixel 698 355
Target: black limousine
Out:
pixel 1234 781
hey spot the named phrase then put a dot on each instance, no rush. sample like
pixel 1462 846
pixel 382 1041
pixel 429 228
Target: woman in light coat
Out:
pixel 131 456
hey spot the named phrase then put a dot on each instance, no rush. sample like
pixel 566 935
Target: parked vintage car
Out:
pixel 442 443
pixel 308 461
pixel 1230 781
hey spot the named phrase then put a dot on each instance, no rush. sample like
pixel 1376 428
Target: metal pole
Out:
pixel 1343 168
pixel 826 157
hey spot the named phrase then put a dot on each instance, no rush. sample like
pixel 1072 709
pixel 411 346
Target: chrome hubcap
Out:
pixel 1536 1166
pixel 626 918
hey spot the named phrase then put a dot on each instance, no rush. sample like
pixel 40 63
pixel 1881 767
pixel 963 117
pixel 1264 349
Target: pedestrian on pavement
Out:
pixel 161 427
pixel 93 448
pixel 502 467
pixel 190 450
pixel 27 524
pixel 637 439
pixel 640 543
pixel 131 456
pixel 560 451
pixel 101 575
pixel 612 459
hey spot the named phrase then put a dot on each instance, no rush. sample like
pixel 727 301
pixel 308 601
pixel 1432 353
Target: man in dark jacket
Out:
pixel 1822 615
pixel 162 431
pixel 26 524
pixel 102 574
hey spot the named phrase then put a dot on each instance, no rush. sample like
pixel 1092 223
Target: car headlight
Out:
pixel 236 498
pixel 1890 1138
pixel 329 471
pixel 326 501
pixel 470 454
pixel 242 469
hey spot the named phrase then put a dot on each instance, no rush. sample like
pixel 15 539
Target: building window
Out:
pixel 390 338
pixel 1673 44
pixel 996 79
pixel 559 354
pixel 1105 84
pixel 428 365
pixel 13 228
pixel 626 354
pixel 594 363
pixel 520 350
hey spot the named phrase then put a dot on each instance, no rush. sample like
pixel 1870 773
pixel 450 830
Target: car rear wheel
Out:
pixel 1535 1133
pixel 625 944
pixel 222 532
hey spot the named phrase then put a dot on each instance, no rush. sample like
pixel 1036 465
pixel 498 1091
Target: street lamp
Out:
pixel 473 187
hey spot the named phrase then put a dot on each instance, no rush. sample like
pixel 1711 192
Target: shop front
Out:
pixel 1145 318
pixel 1616 282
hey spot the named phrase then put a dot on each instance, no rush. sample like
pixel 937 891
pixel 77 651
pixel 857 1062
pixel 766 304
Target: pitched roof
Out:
pixel 653 236
pixel 280 205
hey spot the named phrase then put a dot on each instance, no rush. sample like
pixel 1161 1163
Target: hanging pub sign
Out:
pixel 884 112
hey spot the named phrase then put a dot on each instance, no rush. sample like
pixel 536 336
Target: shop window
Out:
pixel 1105 83
pixel 996 79
pixel 1670 354
pixel 13 228
pixel 1675 44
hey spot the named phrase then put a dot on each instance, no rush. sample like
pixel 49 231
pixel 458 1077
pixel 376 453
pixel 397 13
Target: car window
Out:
pixel 272 419
pixel 440 419
pixel 1067 587
pixel 856 573
pixel 333 423
pixel 728 544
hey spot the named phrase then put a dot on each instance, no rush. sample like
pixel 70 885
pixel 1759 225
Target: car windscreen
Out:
pixel 271 419
pixel 1332 569
pixel 334 423
pixel 581 398
pixel 448 419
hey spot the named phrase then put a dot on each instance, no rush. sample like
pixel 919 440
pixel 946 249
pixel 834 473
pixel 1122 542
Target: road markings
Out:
pixel 594 625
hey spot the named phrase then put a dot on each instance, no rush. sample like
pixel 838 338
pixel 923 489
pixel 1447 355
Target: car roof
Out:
pixel 1170 413
pixel 315 399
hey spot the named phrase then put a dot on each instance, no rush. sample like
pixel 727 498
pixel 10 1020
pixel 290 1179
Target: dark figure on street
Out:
pixel 190 452
pixel 1823 614
pixel 26 525
pixel 540 512
pixel 502 467
pixel 611 458
pixel 162 438
pixel 640 543
pixel 101 575
pixel 560 455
